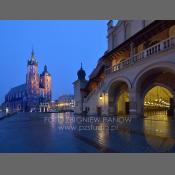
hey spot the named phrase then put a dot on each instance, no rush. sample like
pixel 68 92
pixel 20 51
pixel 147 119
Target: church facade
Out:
pixel 34 93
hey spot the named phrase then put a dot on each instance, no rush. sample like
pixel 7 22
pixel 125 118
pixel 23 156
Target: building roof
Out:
pixel 45 72
pixel 17 89
pixel 81 74
pixel 65 97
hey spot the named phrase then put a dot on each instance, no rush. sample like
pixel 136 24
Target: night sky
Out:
pixel 61 45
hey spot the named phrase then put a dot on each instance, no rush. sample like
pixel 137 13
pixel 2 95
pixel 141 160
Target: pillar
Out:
pixel 131 49
pixel 174 108
pixel 133 103
pixel 105 105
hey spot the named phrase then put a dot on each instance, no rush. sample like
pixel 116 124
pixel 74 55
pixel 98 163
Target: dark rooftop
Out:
pixel 17 89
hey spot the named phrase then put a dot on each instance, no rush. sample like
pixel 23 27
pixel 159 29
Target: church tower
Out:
pixel 32 82
pixel 45 85
pixel 79 84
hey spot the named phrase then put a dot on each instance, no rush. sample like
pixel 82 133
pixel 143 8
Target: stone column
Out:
pixel 131 49
pixel 105 104
pixel 132 103
pixel 174 108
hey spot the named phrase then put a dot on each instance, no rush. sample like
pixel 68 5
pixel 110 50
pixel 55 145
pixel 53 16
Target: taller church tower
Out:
pixel 32 82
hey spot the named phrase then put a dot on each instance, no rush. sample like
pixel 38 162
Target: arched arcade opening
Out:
pixel 158 101
pixel 118 99
pixel 155 92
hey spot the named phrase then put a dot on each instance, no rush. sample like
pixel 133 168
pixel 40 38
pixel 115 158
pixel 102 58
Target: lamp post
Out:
pixel 6 110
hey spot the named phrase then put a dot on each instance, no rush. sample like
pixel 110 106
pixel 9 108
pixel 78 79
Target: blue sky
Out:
pixel 62 45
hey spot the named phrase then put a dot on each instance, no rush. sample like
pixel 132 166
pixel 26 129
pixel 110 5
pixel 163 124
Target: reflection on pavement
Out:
pixel 158 133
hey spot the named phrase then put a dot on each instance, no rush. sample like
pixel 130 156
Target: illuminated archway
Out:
pixel 156 75
pixel 123 103
pixel 158 102
pixel 118 98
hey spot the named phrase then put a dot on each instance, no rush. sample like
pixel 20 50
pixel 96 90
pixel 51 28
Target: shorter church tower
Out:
pixel 45 85
pixel 79 84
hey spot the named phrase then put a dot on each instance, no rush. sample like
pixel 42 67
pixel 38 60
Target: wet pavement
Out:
pixel 1 115
pixel 30 132
pixel 66 133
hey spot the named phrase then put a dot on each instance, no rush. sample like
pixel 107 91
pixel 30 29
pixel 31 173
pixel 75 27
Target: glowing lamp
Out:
pixel 101 97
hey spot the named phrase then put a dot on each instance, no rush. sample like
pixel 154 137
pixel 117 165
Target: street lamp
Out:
pixel 6 110
pixel 101 97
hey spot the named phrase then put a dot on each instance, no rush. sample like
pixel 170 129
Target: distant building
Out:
pixel 65 103
pixel 36 90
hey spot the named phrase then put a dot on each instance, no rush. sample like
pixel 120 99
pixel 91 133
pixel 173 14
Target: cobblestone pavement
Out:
pixel 52 132
pixel 33 133
pixel 1 115
pixel 143 135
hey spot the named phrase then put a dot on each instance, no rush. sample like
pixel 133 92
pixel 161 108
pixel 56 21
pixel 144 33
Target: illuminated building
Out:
pixel 135 76
pixel 65 103
pixel 45 90
pixel 36 90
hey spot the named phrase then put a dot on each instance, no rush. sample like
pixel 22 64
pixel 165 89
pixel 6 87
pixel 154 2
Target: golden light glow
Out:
pixel 63 104
pixel 157 101
pixel 121 102
pixel 161 129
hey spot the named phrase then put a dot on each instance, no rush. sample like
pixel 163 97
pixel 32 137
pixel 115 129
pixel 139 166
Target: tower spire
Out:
pixel 32 53
pixel 81 66
pixel 32 60
pixel 45 68
pixel 81 73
